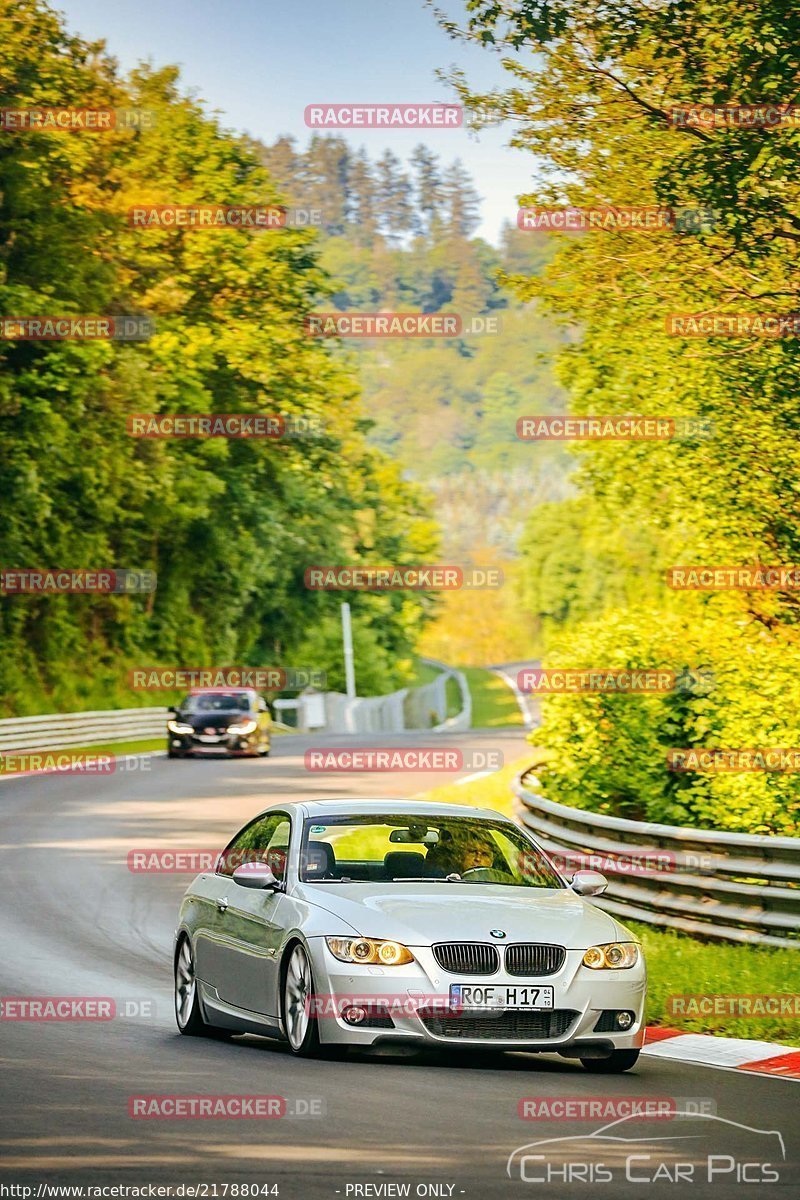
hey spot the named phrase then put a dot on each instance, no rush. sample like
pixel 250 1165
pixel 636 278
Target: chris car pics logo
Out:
pixel 723 1153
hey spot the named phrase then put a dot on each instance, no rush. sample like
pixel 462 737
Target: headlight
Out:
pixel 177 727
pixel 615 956
pixel 369 950
pixel 247 727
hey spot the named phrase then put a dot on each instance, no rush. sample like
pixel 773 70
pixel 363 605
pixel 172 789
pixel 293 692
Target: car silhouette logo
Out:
pixel 498 933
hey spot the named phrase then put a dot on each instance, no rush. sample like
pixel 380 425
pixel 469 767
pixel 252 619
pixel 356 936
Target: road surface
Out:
pixel 77 922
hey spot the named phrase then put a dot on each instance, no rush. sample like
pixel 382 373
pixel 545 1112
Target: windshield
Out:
pixel 208 702
pixel 394 849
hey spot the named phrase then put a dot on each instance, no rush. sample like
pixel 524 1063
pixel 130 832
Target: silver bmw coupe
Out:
pixel 340 923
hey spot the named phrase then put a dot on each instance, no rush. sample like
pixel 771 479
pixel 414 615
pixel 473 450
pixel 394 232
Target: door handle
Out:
pixel 222 904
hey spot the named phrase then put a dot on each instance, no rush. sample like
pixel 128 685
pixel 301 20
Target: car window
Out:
pixel 213 702
pixel 255 842
pixel 278 849
pixel 394 848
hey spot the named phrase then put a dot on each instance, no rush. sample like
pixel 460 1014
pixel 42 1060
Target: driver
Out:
pixel 475 851
pixel 459 851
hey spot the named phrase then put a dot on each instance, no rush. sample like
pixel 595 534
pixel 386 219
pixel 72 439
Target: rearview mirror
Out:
pixel 588 883
pixel 256 875
pixel 414 837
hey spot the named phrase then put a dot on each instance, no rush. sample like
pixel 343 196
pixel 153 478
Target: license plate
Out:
pixel 491 996
pixel 210 737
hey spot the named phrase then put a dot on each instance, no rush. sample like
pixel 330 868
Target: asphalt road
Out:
pixel 77 922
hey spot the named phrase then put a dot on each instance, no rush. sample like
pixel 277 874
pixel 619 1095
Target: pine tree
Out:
pixel 462 202
pixel 428 187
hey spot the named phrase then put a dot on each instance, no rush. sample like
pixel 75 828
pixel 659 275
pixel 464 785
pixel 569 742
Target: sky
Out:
pixel 258 63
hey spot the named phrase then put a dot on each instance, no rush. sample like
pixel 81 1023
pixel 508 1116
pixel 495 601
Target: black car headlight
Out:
pixel 369 950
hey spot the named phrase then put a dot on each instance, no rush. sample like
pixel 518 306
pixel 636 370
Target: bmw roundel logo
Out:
pixel 497 933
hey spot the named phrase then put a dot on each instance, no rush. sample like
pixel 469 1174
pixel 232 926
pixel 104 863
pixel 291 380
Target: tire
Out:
pixel 619 1061
pixel 174 753
pixel 300 1028
pixel 188 1011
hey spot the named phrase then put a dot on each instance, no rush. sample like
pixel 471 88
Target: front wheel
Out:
pixel 615 1064
pixel 302 1031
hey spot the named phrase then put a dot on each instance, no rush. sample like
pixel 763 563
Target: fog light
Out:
pixel 625 1020
pixel 354 1015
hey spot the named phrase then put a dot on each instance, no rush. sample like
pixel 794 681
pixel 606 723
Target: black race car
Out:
pixel 212 720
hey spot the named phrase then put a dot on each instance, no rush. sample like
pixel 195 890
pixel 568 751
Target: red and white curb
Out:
pixel 766 1058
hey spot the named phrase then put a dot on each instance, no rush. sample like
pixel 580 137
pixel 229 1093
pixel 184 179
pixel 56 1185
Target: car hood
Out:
pixel 422 913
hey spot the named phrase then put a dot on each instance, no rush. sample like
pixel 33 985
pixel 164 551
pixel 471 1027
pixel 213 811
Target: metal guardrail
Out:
pixel 734 887
pixel 60 731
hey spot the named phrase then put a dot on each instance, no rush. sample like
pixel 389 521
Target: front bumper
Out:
pixel 415 999
pixel 224 744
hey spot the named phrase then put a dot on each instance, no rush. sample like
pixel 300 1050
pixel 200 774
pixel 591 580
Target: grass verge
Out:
pixel 493 702
pixel 680 966
pixel 119 749
pixel 493 791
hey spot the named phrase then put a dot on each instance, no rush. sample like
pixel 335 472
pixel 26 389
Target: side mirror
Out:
pixel 588 883
pixel 172 710
pixel 262 705
pixel 256 875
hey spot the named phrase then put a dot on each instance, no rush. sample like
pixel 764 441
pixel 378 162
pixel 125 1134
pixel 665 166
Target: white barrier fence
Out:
pixel 423 707
pixel 60 731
